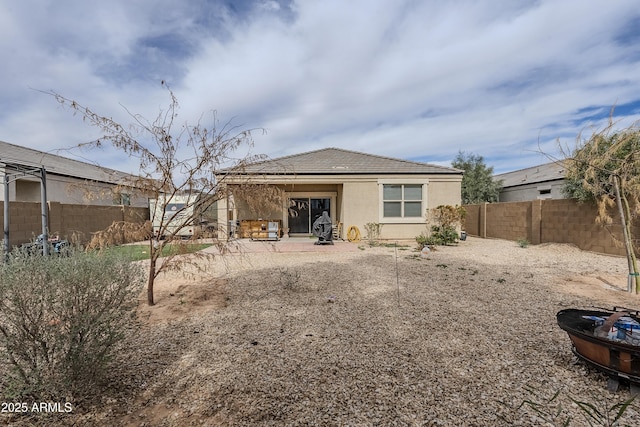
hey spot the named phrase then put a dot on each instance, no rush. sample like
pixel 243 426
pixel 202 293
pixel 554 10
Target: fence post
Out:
pixel 536 221
pixel 483 220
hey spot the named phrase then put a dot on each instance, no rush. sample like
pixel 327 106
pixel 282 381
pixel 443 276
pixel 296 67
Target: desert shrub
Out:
pixel 60 318
pixel 444 220
pixel 373 230
pixel 289 279
pixel 425 240
pixel 444 235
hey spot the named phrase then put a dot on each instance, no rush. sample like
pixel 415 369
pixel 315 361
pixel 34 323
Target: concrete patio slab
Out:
pixel 289 245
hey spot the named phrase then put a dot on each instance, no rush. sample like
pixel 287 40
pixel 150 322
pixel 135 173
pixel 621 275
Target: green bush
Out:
pixel 444 235
pixel 424 240
pixel 60 318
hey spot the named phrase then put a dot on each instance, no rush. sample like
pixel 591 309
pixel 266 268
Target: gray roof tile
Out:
pixel 533 175
pixel 330 161
pixel 54 164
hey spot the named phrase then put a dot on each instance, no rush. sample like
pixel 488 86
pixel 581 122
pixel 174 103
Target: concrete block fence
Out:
pixel 546 221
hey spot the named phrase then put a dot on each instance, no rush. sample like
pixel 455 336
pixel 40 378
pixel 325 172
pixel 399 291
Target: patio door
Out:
pixel 303 211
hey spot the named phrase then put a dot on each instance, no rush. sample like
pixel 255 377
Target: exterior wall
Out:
pixel 27 191
pixel 332 191
pixel 444 192
pixel 360 205
pixel 363 205
pixel 357 200
pixel 67 221
pixel 533 191
pixel 243 211
pixel 546 221
pixel 68 190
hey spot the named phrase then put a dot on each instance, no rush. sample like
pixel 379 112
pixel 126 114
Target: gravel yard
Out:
pixel 367 336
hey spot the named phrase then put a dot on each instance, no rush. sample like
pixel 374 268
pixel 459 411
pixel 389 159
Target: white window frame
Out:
pixel 402 220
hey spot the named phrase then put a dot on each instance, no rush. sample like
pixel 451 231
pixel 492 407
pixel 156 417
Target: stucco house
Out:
pixel 68 181
pixel 354 188
pixel 535 183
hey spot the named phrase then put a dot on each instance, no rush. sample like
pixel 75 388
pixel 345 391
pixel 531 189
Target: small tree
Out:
pixel 606 169
pixel 175 161
pixel 478 185
pixel 261 199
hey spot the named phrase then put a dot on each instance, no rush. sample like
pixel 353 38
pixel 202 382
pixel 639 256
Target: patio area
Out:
pixel 291 244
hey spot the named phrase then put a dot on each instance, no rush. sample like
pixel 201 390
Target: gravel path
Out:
pixel 378 336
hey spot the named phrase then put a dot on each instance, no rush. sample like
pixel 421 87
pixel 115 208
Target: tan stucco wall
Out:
pixel 67 190
pixel 362 205
pixel 523 193
pixel 243 212
pixel 444 192
pixel 358 202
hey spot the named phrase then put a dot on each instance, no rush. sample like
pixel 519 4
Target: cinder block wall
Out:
pixel 509 221
pixel 547 221
pixel 26 221
pixel 472 220
pixel 77 221
pixel 570 222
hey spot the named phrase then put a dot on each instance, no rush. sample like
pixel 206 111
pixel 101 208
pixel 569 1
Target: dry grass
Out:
pixel 456 339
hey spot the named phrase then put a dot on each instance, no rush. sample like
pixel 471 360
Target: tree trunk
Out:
pixel 633 276
pixel 627 241
pixel 152 272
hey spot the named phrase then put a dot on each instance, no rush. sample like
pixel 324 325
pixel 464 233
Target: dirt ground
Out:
pixel 365 336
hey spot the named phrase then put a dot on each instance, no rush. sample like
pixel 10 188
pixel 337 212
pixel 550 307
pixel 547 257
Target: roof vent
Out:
pixel 340 167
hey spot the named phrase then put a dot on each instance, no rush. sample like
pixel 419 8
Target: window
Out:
pixel 122 199
pixel 402 200
pixel 544 192
pixel 170 209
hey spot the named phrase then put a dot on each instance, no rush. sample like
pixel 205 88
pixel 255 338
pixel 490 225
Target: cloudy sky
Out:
pixel 418 80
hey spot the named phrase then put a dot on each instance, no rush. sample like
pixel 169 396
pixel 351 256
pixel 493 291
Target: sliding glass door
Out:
pixel 303 211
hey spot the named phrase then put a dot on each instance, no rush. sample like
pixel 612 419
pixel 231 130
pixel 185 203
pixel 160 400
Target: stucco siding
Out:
pixel 535 191
pixel 360 204
pixel 357 200
pixel 68 190
pixel 443 192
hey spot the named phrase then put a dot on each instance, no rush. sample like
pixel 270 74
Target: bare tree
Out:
pixel 606 169
pixel 177 162
pixel 260 198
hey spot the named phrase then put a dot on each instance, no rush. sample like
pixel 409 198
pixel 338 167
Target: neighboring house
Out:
pixel 68 181
pixel 354 188
pixel 539 182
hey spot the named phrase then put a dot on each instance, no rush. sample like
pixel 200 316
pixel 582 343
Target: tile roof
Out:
pixel 330 161
pixel 547 172
pixel 54 164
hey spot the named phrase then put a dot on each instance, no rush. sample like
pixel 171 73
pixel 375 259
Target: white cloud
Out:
pixel 403 79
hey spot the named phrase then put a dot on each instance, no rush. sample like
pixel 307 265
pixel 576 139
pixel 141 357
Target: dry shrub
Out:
pixel 120 232
pixel 60 318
